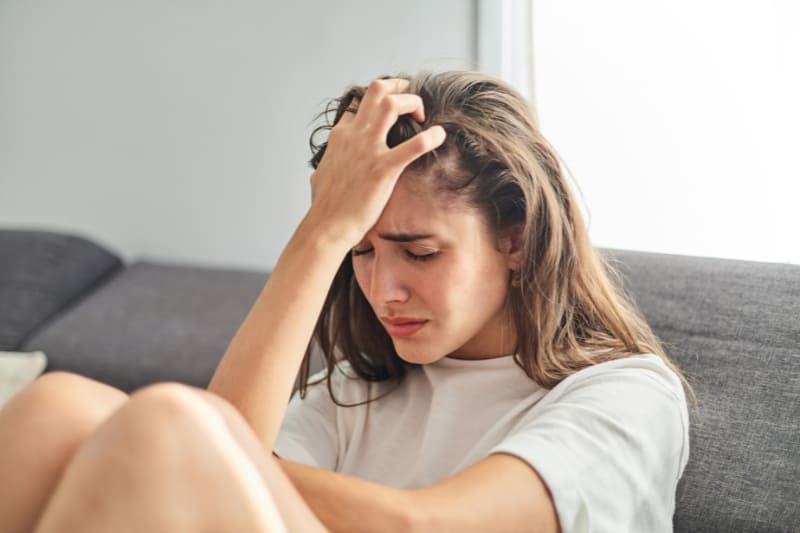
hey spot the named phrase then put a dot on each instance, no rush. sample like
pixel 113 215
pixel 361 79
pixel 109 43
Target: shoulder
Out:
pixel 630 393
pixel 642 371
pixel 638 386
pixel 618 427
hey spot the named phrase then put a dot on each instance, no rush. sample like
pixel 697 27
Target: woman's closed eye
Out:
pixel 363 251
pixel 408 253
pixel 420 257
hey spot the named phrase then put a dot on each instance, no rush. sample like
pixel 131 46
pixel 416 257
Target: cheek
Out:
pixel 362 276
pixel 479 289
pixel 362 272
pixel 431 291
pixel 449 292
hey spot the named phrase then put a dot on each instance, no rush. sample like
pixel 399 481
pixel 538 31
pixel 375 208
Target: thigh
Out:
pixel 165 461
pixel 296 512
pixel 40 430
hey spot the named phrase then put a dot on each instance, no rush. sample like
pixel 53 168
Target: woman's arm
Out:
pixel 350 188
pixel 258 370
pixel 349 504
pixel 499 493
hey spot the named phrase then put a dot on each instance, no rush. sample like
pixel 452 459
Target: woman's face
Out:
pixel 435 277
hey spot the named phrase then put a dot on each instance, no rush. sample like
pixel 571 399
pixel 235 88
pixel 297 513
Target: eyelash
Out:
pixel 413 257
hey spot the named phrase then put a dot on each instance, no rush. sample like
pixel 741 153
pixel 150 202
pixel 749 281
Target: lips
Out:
pixel 402 326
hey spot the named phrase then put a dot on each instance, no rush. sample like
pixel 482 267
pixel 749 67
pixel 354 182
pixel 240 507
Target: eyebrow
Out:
pixel 404 237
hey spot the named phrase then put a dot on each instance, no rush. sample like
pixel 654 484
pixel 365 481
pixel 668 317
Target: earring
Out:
pixel 516 278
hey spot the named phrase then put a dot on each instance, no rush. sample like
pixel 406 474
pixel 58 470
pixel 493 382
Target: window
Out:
pixel 679 120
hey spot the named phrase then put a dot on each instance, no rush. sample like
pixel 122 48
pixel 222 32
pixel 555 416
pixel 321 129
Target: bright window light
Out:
pixel 679 121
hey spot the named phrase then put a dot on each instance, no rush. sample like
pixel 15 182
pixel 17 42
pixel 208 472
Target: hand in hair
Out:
pixel 358 172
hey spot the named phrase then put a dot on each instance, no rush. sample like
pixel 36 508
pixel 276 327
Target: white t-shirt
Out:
pixel 611 441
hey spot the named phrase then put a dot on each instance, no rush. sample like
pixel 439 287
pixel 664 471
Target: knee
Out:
pixel 169 406
pixel 163 435
pixel 50 419
pixel 167 399
pixel 66 400
pixel 160 424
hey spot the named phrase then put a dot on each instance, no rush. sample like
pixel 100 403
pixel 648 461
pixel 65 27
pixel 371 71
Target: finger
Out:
pixel 397 85
pixel 349 115
pixel 423 142
pixel 394 105
pixel 389 85
pixel 377 89
pixel 350 112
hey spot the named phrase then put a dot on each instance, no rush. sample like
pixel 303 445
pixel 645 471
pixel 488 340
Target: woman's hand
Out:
pixel 350 188
pixel 358 172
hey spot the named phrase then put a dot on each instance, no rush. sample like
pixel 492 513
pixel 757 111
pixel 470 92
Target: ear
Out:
pixel 510 244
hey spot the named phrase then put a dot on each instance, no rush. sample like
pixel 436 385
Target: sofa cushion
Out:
pixel 733 327
pixel 42 274
pixel 152 322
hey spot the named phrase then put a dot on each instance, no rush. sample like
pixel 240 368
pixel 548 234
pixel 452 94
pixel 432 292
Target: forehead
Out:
pixel 417 207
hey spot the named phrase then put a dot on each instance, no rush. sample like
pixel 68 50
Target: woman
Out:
pixel 494 376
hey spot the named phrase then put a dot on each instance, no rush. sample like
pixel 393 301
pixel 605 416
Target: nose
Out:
pixel 387 284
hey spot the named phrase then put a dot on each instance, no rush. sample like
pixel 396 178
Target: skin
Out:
pixel 92 473
pixel 258 369
pixel 439 278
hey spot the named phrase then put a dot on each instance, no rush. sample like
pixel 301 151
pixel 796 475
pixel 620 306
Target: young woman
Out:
pixel 483 372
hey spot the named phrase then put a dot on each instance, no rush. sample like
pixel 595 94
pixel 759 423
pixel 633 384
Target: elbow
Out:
pixel 412 513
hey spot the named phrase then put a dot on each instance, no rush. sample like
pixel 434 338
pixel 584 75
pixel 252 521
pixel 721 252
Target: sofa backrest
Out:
pixel 733 327
pixel 41 274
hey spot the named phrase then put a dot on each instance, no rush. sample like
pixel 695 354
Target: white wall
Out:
pixel 680 121
pixel 179 130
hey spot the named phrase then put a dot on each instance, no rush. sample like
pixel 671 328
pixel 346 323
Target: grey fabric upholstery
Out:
pixel 152 322
pixel 41 274
pixel 734 328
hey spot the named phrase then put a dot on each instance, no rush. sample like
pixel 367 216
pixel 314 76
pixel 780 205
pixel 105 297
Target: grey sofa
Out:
pixel 732 326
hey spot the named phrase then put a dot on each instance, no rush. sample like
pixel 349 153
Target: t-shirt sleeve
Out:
pixel 611 443
pixel 308 432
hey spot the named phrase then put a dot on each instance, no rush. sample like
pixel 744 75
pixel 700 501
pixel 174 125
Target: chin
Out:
pixel 417 354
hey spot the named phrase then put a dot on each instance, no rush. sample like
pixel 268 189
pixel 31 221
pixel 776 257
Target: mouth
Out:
pixel 402 327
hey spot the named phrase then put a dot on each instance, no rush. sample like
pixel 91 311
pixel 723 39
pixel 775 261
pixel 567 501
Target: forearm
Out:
pixel 258 370
pixel 349 504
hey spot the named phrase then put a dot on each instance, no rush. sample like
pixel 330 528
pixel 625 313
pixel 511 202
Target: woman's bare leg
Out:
pixel 296 513
pixel 40 430
pixel 168 460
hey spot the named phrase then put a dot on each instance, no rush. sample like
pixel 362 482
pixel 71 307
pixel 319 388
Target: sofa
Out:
pixel 732 326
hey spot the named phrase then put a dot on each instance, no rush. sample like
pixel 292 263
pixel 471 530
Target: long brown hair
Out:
pixel 567 304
